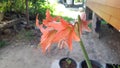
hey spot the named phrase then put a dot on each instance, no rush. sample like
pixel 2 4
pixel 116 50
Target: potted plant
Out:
pixel 94 63
pixel 87 63
pixel 67 63
pixel 57 30
pixel 108 65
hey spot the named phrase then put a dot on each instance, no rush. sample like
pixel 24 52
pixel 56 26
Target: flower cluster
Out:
pixel 57 30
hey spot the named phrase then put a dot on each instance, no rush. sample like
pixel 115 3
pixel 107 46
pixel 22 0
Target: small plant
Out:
pixel 68 61
pixel 112 66
pixel 2 6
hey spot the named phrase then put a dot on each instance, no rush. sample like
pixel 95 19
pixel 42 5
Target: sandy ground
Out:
pixel 21 53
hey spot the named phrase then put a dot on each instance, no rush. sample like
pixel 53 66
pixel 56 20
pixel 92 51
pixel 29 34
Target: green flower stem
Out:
pixel 82 45
pixel 85 54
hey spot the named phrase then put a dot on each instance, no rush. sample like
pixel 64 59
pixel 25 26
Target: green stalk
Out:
pixel 85 54
pixel 82 45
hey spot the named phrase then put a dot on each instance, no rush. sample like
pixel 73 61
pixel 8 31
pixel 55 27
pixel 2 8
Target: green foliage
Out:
pixel 40 7
pixel 19 6
pixel 12 5
pixel 3 43
pixel 3 6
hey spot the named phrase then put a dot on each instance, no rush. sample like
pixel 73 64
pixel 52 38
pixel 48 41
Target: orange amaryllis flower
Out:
pixel 61 32
pixel 83 24
pixel 48 33
pixel 67 34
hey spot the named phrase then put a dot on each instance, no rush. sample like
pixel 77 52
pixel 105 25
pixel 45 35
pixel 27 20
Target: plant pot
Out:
pixel 63 63
pixel 95 64
pixel 112 65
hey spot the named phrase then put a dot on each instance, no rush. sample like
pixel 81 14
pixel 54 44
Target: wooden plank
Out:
pixel 99 12
pixel 109 14
pixel 112 3
pixel 115 12
pixel 115 22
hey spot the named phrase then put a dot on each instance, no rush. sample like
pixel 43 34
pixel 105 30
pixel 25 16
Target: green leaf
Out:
pixel 68 61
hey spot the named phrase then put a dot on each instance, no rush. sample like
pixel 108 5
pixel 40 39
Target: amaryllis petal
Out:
pixel 49 18
pixel 62 44
pixel 69 41
pixel 38 25
pixel 46 33
pixel 85 26
pixel 67 34
pixel 37 21
pixel 83 16
pixel 84 22
pixel 56 25
pixel 61 35
pixel 75 37
pixel 47 40
pixel 64 23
